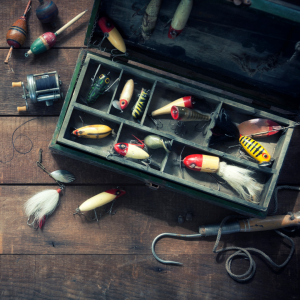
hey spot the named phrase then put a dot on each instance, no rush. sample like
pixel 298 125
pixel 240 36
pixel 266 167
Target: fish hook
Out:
pixel 176 235
pixel 99 45
pixel 117 55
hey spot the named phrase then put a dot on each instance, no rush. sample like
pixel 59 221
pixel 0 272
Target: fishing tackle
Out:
pixel 47 12
pixel 17 33
pixel 256 150
pixel 180 18
pixel 156 142
pixel 43 87
pixel 93 131
pixel 98 88
pixel 186 114
pixel 150 18
pixel 240 179
pixel 259 128
pixel 187 101
pixel 100 200
pixel 141 103
pixel 48 39
pixel 112 34
pixel 125 96
pixel 63 176
pixel 134 151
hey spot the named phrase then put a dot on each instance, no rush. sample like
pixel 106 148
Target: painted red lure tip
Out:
pixel 75 132
pixel 188 101
pixel 105 24
pixel 123 103
pixel 50 38
pixel 173 33
pixel 58 190
pixel 42 222
pixel 117 192
pixel 121 148
pixel 175 113
pixel 194 162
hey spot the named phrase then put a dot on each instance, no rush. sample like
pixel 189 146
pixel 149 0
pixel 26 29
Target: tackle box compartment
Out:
pixel 192 138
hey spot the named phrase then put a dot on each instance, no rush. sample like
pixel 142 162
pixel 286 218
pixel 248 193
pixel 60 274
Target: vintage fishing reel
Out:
pixel 43 87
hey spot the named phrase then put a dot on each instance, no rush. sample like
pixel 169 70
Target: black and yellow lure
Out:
pixel 141 103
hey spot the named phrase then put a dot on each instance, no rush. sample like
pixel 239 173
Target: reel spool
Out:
pixel 43 87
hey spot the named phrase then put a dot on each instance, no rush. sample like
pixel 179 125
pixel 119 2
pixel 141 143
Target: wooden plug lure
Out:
pixel 256 150
pixel 180 18
pixel 17 33
pixel 125 96
pixel 100 200
pixel 187 101
pixel 150 18
pixel 241 180
pixel 114 35
pixel 141 103
pixel 134 151
pixel 93 131
pixel 156 142
pixel 186 114
pixel 98 88
pixel 48 39
pixel 259 128
pixel 47 12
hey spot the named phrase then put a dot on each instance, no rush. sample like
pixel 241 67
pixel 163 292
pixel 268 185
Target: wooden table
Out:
pixel 72 258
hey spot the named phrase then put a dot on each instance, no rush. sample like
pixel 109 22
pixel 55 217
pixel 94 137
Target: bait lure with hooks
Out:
pixel 93 131
pixel 186 114
pixel 98 88
pixel 17 33
pixel 125 96
pixel 256 150
pixel 100 200
pixel 47 12
pixel 180 18
pixel 156 142
pixel 150 18
pixel 141 103
pixel 187 101
pixel 112 34
pixel 240 179
pixel 48 39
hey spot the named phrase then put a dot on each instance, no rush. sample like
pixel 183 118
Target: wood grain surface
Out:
pixel 76 258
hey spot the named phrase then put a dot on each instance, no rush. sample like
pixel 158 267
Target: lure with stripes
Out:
pixel 186 114
pixel 98 88
pixel 93 131
pixel 140 105
pixel 255 150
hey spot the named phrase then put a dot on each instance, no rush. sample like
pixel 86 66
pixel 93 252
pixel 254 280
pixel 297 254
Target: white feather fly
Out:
pixel 41 205
pixel 241 180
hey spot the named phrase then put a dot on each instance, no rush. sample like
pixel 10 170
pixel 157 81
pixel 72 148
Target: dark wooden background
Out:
pixel 76 259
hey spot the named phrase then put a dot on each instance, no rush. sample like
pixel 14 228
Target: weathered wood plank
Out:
pixel 71 37
pixel 141 215
pixel 137 277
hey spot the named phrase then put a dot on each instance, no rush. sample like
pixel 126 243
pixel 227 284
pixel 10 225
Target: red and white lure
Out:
pixel 180 18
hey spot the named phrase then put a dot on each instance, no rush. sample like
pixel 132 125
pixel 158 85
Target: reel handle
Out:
pixel 22 108
pixel 16 84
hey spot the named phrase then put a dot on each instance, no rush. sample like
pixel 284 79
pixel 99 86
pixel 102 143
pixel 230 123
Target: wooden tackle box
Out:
pixel 219 83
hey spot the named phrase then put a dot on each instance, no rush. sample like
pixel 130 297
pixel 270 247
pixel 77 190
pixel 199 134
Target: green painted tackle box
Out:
pixel 224 58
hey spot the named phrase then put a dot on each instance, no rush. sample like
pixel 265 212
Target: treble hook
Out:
pixel 99 45
pixel 117 55
pixel 189 236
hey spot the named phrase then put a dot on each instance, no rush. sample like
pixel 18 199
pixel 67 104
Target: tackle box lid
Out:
pixel 241 52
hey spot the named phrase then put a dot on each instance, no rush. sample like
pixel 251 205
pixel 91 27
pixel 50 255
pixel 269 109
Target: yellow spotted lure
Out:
pixel 141 103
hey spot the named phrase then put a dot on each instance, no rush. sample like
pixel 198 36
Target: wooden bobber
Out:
pixel 186 101
pixel 47 12
pixel 48 39
pixel 185 114
pixel 17 33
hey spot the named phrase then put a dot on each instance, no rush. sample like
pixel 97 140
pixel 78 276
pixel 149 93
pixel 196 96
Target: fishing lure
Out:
pixel 112 34
pixel 241 180
pixel 150 18
pixel 141 103
pixel 48 39
pixel 180 18
pixel 47 12
pixel 98 88
pixel 17 33
pixel 256 150
pixel 100 200
pixel 156 142
pixel 187 101
pixel 259 128
pixel 125 96
pixel 186 114
pixel 93 131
